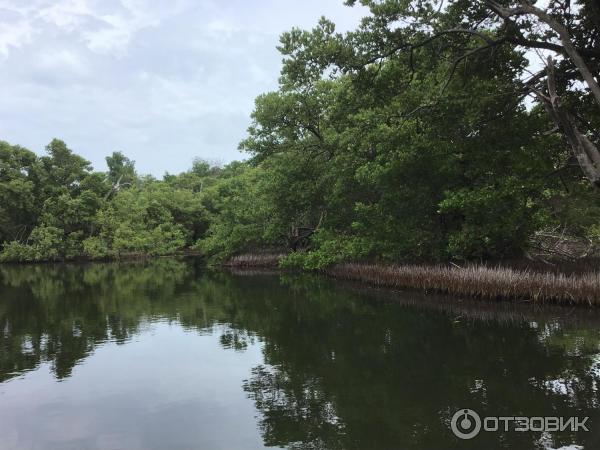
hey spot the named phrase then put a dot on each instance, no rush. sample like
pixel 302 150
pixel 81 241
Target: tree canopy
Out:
pixel 436 130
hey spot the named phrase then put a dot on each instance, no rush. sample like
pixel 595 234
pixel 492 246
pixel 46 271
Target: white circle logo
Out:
pixel 466 424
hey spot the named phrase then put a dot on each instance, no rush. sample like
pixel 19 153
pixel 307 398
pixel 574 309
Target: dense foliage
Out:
pixel 409 138
pixel 55 207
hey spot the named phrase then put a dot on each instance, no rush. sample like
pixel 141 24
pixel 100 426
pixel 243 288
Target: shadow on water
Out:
pixel 343 367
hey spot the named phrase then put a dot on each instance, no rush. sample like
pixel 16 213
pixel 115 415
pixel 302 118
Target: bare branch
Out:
pixel 570 49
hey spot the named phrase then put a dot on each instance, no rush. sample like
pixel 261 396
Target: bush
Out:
pixel 329 248
pixel 46 245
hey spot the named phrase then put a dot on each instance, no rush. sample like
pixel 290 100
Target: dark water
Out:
pixel 164 355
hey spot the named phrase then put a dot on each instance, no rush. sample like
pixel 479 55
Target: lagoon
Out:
pixel 166 354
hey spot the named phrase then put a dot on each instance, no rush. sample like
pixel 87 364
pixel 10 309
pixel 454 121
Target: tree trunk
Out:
pixel 586 152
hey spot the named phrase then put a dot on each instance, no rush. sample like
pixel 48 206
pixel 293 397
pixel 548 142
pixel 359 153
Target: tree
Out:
pixel 121 171
pixel 458 33
pixel 367 167
pixel 18 212
pixel 62 169
pixel 241 216
pixel 55 208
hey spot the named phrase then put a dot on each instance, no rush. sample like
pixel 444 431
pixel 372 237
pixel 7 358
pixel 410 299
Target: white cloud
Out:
pixel 14 35
pixel 66 14
pixel 161 80
pixel 118 28
pixel 63 60
pixel 105 25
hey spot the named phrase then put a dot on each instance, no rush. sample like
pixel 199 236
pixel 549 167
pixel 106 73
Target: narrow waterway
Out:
pixel 165 355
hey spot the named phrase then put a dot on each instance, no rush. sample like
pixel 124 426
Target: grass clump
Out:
pixel 492 283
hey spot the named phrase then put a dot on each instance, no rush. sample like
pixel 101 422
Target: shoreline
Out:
pixel 571 284
pixel 83 259
pixel 476 281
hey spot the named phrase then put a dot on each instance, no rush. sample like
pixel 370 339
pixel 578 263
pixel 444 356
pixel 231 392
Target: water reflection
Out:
pixel 324 366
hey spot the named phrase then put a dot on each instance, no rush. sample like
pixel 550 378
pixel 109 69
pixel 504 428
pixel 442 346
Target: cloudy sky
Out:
pixel 164 81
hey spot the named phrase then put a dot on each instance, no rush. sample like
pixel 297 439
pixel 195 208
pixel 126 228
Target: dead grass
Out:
pixel 255 260
pixel 492 283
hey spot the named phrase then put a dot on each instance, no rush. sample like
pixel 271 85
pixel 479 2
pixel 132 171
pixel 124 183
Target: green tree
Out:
pixel 240 214
pixel 61 169
pixel 18 205
pixel 121 170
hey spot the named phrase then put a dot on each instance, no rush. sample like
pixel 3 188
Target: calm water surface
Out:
pixel 165 355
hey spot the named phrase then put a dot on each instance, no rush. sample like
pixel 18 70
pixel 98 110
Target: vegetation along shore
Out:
pixel 489 282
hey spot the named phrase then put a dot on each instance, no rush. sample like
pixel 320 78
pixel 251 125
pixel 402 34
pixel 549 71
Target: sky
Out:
pixel 163 81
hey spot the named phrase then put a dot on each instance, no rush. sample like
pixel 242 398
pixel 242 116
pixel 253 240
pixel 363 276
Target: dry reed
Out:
pixel 478 281
pixel 255 260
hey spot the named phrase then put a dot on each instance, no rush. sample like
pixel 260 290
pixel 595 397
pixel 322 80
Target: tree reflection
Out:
pixel 341 369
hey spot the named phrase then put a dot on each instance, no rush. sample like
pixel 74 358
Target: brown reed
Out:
pixel 255 260
pixel 478 281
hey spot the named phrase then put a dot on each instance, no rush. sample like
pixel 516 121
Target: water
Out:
pixel 165 355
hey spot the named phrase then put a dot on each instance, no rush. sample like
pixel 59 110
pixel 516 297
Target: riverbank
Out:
pixel 125 256
pixel 490 283
pixel 572 284
pixel 473 280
